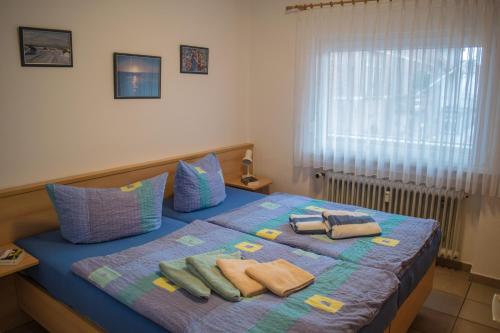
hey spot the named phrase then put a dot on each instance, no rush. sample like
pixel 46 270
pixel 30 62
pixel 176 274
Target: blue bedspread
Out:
pixel 56 256
pixel 235 198
pixel 403 238
pixel 343 297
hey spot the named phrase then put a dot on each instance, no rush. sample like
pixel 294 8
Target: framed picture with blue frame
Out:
pixel 194 59
pixel 136 76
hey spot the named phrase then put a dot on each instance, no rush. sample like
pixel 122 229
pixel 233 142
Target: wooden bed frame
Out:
pixel 27 210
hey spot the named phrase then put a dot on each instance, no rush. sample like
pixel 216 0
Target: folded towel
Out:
pixel 280 276
pixel 307 224
pixel 234 271
pixel 345 224
pixel 204 267
pixel 177 272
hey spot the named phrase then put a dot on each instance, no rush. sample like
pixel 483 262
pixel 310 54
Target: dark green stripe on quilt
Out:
pixel 205 193
pixel 145 198
pixel 284 315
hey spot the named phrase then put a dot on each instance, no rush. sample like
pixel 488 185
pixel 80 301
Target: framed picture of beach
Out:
pixel 137 76
pixel 45 47
pixel 194 60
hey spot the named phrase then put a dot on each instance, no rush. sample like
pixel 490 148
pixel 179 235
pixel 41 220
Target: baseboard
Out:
pixel 461 266
pixel 493 282
pixel 454 264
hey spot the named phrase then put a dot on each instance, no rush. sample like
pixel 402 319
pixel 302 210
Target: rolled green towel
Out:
pixel 177 272
pixel 204 266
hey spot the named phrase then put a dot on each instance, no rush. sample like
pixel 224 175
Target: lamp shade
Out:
pixel 247 160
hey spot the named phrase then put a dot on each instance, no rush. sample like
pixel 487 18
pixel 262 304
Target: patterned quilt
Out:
pixel 342 298
pixel 402 239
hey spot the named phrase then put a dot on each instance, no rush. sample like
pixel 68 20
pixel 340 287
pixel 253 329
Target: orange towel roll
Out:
pixel 234 271
pixel 280 276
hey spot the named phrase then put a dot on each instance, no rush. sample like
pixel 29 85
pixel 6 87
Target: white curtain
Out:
pixel 407 90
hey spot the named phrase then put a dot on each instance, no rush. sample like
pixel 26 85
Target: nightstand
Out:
pixel 11 315
pixel 27 262
pixel 261 186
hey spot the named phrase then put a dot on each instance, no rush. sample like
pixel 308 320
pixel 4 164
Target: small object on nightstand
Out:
pixel 11 256
pixel 261 185
pixel 248 180
pixel 26 261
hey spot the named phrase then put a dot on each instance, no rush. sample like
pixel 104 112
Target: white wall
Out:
pixel 481 237
pixel 57 122
pixel 271 127
pixel 272 64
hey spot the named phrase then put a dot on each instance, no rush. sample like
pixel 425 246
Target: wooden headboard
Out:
pixel 27 210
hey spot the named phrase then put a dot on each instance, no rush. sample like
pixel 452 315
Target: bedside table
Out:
pixel 261 186
pixel 27 262
pixel 11 315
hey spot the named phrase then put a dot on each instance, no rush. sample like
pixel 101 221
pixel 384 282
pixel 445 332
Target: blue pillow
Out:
pixel 92 215
pixel 198 185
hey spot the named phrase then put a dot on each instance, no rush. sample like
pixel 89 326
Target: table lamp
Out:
pixel 247 162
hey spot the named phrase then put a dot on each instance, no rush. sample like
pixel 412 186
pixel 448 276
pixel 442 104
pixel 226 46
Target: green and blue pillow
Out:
pixel 198 185
pixel 92 215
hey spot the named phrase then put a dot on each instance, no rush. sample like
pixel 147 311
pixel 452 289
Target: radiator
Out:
pixel 405 199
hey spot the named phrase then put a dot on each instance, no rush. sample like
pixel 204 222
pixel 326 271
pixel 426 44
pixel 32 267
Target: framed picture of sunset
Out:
pixel 137 76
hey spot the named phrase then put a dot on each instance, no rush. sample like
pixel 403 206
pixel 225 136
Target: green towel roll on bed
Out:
pixel 205 267
pixel 177 272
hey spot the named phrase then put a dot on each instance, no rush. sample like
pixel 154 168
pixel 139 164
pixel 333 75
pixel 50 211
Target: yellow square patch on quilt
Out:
pixel 269 233
pixel 324 303
pixel 131 187
pixel 200 170
pixel 316 209
pixel 248 247
pixel 385 241
pixel 165 284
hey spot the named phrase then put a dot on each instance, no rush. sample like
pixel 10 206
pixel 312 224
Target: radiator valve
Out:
pixel 387 196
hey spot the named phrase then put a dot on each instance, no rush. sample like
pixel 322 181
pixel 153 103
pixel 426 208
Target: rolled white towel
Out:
pixel 346 224
pixel 307 224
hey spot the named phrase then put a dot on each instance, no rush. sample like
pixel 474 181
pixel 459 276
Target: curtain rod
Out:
pixel 325 4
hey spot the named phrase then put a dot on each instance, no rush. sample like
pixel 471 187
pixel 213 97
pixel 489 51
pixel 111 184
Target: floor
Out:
pixel 455 306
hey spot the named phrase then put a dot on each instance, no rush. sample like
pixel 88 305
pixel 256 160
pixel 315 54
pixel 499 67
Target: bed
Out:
pixel 243 211
pixel 407 246
pixel 135 281
pixel 56 256
pixel 26 211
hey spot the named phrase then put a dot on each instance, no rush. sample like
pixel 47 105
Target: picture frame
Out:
pixel 136 76
pixel 40 47
pixel 194 59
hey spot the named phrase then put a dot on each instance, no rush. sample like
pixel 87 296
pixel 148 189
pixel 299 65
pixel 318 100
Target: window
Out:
pixel 427 95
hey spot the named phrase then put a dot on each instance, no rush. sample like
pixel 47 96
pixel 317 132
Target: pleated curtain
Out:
pixel 405 90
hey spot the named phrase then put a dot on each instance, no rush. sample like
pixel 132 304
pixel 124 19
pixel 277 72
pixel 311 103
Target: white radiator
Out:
pixel 404 199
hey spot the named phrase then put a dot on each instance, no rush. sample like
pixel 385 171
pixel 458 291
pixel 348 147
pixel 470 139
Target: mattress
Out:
pixel 235 198
pixel 406 247
pixel 56 256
